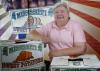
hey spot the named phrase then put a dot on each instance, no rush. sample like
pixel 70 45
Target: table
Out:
pixel 89 63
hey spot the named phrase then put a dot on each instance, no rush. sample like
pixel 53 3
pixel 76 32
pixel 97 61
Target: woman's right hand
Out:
pixel 45 39
pixel 50 55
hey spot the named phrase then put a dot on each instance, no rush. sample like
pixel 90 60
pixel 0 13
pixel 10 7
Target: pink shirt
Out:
pixel 71 33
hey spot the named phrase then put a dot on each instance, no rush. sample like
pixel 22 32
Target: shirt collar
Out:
pixel 65 27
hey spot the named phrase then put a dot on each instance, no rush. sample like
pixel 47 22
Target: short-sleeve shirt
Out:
pixel 65 37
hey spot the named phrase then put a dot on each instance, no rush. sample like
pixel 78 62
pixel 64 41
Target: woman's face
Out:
pixel 32 5
pixel 30 20
pixel 50 2
pixel 61 14
pixel 41 3
pixel 24 3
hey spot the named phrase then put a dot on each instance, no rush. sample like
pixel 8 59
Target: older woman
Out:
pixel 64 36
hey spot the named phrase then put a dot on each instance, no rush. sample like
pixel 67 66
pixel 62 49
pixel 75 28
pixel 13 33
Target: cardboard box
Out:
pixel 22 56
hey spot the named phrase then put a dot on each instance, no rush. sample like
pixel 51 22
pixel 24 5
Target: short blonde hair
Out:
pixel 64 4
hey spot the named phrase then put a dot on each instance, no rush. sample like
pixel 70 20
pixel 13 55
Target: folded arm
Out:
pixel 78 49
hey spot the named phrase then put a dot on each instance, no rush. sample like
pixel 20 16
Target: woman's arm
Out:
pixel 34 35
pixel 78 49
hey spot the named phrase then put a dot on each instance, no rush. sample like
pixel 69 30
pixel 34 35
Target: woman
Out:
pixel 24 4
pixel 32 3
pixel 64 36
pixel 41 3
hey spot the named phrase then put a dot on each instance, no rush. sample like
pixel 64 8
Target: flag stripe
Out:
pixel 12 37
pixel 3 15
pixel 4 21
pixel 95 0
pixel 88 3
pixel 2 30
pixel 88 18
pixel 6 34
pixel 93 42
pixel 87 26
pixel 2 10
pixel 94 12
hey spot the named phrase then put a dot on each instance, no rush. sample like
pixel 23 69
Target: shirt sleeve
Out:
pixel 44 30
pixel 79 35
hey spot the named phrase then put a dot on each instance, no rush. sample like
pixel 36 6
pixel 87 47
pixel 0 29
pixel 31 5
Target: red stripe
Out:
pixel 93 42
pixel 12 37
pixel 88 18
pixel 4 28
pixel 88 3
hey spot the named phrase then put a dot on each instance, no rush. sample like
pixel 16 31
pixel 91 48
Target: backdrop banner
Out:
pixel 24 20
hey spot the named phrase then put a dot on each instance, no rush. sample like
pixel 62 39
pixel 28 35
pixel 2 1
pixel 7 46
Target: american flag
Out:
pixel 87 12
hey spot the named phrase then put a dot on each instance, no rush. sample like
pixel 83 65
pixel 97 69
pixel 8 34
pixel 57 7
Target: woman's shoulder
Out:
pixel 49 24
pixel 75 23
